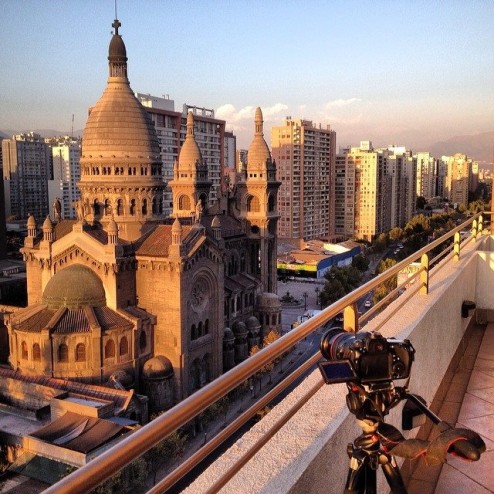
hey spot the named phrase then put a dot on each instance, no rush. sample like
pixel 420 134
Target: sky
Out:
pixel 404 72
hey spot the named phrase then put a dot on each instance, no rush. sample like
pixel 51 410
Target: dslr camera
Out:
pixel 364 357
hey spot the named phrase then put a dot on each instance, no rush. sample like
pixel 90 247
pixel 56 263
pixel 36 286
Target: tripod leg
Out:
pixel 393 476
pixel 355 481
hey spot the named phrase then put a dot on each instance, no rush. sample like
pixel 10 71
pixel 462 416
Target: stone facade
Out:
pixel 126 295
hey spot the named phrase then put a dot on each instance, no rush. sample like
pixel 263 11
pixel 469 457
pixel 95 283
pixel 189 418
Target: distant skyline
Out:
pixel 393 72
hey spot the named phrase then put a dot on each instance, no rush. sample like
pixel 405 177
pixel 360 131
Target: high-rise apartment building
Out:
pixel 3 226
pixel 305 159
pixel 457 178
pixel 427 175
pixel 363 190
pixel 26 170
pixel 401 167
pixel 66 154
pixel 171 129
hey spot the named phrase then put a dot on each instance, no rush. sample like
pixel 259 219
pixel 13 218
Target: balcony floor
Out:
pixel 469 403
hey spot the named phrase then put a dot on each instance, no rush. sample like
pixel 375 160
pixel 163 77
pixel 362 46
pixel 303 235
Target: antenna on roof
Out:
pixel 72 132
pixel 116 9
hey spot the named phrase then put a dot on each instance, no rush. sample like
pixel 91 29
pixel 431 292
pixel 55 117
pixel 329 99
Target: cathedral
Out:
pixel 123 296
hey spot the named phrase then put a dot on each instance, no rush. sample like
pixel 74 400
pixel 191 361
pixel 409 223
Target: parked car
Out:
pixel 368 304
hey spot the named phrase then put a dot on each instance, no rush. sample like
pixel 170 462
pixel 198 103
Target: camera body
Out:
pixel 364 357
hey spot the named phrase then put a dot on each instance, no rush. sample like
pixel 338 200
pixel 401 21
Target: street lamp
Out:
pixel 305 295
pixel 318 300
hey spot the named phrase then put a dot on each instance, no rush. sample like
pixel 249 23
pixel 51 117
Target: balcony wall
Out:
pixel 308 454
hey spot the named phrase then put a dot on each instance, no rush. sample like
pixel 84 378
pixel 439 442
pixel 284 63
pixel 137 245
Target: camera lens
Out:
pixel 335 344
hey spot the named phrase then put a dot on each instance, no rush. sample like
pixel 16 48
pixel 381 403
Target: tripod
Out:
pixel 379 441
pixel 366 454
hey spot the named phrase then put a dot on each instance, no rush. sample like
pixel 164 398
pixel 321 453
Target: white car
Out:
pixel 367 304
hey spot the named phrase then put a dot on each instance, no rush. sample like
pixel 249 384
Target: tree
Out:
pixel 420 202
pixel 167 450
pixel 361 263
pixel 381 242
pixel 382 290
pixel 395 234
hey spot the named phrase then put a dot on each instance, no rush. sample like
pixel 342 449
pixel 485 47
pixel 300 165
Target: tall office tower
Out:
pixel 305 159
pixel 442 173
pixel 241 159
pixel 26 170
pixel 427 174
pixel 66 154
pixel 171 129
pixel 364 199
pixel 401 167
pixel 457 179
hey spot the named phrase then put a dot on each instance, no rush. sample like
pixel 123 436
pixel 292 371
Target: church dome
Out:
pixel 253 323
pixel 118 126
pixel 157 367
pixel 258 153
pixel 47 224
pixel 74 287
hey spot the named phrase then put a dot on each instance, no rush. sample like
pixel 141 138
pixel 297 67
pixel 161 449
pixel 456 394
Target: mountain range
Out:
pixel 479 147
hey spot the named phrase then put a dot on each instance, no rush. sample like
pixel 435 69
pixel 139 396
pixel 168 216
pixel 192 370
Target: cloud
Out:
pixel 229 113
pixel 339 103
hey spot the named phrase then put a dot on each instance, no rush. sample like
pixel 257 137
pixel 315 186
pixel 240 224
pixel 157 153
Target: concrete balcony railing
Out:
pixel 300 446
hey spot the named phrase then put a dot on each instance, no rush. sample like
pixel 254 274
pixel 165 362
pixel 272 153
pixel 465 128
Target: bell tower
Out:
pixel 190 185
pixel 259 207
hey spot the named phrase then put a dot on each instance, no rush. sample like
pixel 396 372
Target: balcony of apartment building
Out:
pixel 444 306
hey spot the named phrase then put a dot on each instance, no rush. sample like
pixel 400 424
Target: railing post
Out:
pixel 350 317
pixel 474 228
pixel 481 227
pixel 456 256
pixel 424 274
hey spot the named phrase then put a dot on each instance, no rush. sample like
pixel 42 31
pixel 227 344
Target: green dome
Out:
pixel 74 287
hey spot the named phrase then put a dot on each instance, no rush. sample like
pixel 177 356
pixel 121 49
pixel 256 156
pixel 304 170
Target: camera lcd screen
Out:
pixel 337 371
pixel 375 367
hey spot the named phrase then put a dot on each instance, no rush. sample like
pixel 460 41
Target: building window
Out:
pixel 144 206
pixel 184 203
pixel 36 352
pixel 119 207
pixel 63 353
pixel 110 349
pixel 24 350
pixel 253 204
pixel 80 352
pixel 124 346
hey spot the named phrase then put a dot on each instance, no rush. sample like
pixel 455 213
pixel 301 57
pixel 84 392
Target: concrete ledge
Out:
pixel 309 453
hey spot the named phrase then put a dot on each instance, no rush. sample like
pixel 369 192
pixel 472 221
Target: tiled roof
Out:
pixel 109 319
pixel 120 398
pixel 156 244
pixel 73 321
pixel 230 227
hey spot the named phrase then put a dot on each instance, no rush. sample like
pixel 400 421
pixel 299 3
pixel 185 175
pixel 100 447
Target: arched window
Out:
pixel 80 352
pixel 36 352
pixel 253 204
pixel 184 203
pixel 200 330
pixel 110 349
pixel 107 207
pixel 119 207
pixel 24 350
pixel 96 207
pixel 155 206
pixel 63 353
pixel 144 206
pixel 193 332
pixel 124 346
pixel 142 340
pixel 132 207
